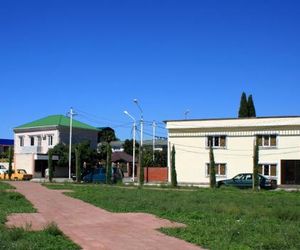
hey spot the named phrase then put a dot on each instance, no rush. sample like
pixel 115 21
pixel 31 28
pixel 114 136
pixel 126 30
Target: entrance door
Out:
pixel 290 172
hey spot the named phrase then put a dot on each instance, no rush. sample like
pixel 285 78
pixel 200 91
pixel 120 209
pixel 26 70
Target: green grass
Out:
pixel 17 238
pixel 215 219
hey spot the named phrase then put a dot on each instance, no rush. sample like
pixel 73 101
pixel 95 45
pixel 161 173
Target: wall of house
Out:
pixel 25 161
pixel 192 155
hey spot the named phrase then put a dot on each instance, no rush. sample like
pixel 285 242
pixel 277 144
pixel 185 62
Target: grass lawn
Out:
pixel 215 219
pixel 17 238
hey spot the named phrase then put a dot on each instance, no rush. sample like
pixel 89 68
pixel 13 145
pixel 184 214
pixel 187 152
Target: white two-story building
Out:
pixel 233 143
pixel 34 139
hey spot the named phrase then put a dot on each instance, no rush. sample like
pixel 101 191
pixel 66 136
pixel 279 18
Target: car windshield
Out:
pixel 238 177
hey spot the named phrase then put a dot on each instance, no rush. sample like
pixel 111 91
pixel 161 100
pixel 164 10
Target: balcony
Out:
pixel 30 150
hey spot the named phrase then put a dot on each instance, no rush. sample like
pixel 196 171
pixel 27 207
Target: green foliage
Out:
pixel 212 166
pixel 247 108
pixel 108 165
pixel 19 238
pixel 78 163
pixel 243 110
pixel 251 108
pixel 108 136
pixel 173 168
pixel 128 147
pixel 50 164
pixel 141 162
pixel 255 167
pixel 62 151
pixel 10 157
pixel 215 219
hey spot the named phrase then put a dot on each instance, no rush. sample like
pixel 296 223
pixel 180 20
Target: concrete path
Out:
pixel 92 227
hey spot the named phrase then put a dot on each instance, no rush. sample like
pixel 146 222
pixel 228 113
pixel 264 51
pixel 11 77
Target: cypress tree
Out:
pixel 255 181
pixel 251 107
pixel 141 166
pixel 77 163
pixel 212 166
pixel 108 164
pixel 243 111
pixel 173 168
pixel 10 156
pixel 50 165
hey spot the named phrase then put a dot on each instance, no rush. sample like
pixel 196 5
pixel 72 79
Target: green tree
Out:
pixel 141 162
pixel 10 157
pixel 50 164
pixel 128 147
pixel 78 163
pixel 243 110
pixel 173 168
pixel 212 167
pixel 251 107
pixel 108 165
pixel 255 181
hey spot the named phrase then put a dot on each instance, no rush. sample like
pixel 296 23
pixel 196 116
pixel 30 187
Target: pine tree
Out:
pixel 108 164
pixel 251 107
pixel 212 166
pixel 10 156
pixel 173 168
pixel 255 180
pixel 243 111
pixel 50 164
pixel 77 163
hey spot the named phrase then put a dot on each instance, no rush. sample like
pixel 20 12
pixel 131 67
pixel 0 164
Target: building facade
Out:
pixel 233 145
pixel 33 140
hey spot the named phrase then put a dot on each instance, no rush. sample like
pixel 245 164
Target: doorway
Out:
pixel 290 172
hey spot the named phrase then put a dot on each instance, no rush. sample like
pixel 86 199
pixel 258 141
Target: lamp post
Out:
pixel 133 156
pixel 71 114
pixel 141 121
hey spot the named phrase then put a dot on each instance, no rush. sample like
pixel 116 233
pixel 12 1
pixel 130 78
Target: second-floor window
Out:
pixel 50 140
pixel 216 141
pixel 21 141
pixel 267 141
pixel 31 141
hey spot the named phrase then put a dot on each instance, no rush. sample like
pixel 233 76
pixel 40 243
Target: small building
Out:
pixel 34 139
pixel 5 144
pixel 233 144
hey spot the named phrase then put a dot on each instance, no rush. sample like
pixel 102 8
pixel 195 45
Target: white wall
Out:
pixel 192 156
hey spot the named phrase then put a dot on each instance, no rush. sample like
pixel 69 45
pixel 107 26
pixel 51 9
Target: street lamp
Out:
pixel 71 114
pixel 133 160
pixel 142 120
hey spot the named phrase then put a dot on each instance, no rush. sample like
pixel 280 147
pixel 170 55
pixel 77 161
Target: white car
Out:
pixel 2 169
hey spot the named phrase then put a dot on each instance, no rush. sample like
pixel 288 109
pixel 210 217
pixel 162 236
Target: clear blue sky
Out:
pixel 172 55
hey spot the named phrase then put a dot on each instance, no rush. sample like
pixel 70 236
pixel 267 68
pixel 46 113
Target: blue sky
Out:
pixel 97 56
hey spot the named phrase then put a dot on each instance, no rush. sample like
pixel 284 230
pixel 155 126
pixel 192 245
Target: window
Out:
pixel 50 140
pixel 31 141
pixel 220 169
pixel 267 169
pixel 21 138
pixel 267 141
pixel 217 141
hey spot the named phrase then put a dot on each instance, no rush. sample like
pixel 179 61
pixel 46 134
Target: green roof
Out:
pixel 55 120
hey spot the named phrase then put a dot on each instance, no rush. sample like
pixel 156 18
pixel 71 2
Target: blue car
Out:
pixel 95 175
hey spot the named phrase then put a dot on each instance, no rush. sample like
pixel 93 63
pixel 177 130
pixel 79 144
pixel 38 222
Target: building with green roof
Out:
pixel 34 139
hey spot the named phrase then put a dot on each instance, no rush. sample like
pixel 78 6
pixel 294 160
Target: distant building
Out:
pixel 118 146
pixel 233 142
pixel 5 144
pixel 34 139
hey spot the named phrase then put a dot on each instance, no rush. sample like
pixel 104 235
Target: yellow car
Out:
pixel 18 175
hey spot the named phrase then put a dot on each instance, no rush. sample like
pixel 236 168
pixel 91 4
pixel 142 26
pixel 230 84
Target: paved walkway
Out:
pixel 92 227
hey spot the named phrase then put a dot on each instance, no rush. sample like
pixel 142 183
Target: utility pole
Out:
pixel 71 114
pixel 153 140
pixel 133 147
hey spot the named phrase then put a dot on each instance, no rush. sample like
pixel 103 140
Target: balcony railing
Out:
pixel 31 150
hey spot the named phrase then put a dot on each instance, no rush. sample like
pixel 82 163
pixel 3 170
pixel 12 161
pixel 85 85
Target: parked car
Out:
pixel 244 180
pixel 2 169
pixel 99 175
pixel 18 175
